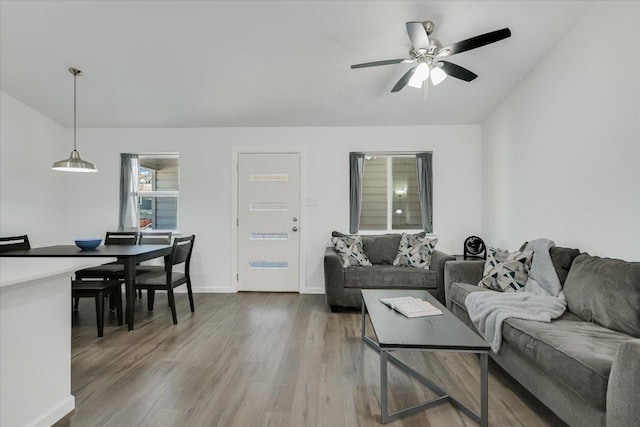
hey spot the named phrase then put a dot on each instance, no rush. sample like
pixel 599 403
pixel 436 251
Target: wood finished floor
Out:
pixel 261 359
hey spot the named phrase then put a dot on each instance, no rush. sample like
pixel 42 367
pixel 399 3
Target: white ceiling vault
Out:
pixel 263 63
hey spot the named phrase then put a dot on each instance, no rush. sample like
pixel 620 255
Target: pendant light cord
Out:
pixel 75 77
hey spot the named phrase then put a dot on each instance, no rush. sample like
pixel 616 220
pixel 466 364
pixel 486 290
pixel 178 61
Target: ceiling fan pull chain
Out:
pixel 425 91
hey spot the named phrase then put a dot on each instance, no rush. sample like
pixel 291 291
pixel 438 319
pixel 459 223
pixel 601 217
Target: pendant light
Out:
pixel 74 163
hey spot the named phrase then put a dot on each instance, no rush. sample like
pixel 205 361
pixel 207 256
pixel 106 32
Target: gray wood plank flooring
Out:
pixel 264 359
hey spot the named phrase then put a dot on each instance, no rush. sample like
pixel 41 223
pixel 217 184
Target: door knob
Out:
pixel 294 229
pixel 295 219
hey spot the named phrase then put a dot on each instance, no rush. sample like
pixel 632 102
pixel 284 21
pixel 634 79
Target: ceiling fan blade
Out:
pixel 404 80
pixel 474 42
pixel 457 71
pixel 376 63
pixel 418 35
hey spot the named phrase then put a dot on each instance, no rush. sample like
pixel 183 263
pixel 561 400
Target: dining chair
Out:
pixel 169 279
pixel 152 238
pixel 155 238
pixel 14 243
pixel 112 270
pixel 98 289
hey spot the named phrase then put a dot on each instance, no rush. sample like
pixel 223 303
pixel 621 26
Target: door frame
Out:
pixel 235 154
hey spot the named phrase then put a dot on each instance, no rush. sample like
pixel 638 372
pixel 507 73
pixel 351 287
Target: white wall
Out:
pixel 560 155
pixel 206 184
pixel 33 198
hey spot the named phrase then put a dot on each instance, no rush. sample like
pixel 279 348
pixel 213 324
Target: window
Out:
pixel 387 191
pixel 149 192
pixel 158 191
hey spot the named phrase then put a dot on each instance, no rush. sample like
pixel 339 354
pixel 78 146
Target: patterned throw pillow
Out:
pixel 350 249
pixel 506 271
pixel 415 251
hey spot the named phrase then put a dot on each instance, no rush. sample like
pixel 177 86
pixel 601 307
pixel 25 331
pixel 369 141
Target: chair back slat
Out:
pixel 160 238
pixel 181 251
pixel 121 238
pixel 14 243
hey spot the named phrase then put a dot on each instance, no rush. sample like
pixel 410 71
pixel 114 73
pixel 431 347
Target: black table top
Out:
pixel 103 251
pixel 442 332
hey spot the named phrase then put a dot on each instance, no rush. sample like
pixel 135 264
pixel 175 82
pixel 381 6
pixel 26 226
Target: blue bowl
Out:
pixel 88 244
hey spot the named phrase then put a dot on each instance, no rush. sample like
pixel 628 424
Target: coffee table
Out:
pixel 444 332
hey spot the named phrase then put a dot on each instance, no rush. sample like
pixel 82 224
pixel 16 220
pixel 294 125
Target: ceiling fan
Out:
pixel 428 51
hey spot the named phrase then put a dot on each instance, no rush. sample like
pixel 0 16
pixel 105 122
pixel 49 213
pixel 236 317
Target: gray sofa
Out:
pixel 585 365
pixel 343 285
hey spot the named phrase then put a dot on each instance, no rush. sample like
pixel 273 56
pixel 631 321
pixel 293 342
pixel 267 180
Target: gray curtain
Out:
pixel 129 218
pixel 356 168
pixel 424 167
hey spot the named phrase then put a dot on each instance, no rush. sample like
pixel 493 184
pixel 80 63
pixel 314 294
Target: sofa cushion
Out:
pixel 577 353
pixel 381 249
pixel 387 276
pixel 350 250
pixel 562 258
pixel 605 291
pixel 415 251
pixel 506 271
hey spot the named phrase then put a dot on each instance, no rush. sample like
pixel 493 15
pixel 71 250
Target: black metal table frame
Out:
pixel 443 396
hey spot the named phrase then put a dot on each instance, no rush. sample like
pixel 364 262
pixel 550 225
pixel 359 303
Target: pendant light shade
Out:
pixel 74 163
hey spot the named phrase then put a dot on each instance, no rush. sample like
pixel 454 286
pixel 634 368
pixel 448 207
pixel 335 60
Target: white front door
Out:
pixel 269 222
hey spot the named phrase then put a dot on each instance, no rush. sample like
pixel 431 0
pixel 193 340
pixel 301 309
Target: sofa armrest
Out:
pixel 438 260
pixel 624 386
pixel 333 276
pixel 461 272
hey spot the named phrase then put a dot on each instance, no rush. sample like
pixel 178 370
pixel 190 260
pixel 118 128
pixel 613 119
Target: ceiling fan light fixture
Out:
pixel 427 51
pixel 437 76
pixel 419 75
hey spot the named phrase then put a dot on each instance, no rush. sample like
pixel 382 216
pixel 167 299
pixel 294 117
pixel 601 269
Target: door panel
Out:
pixel 268 222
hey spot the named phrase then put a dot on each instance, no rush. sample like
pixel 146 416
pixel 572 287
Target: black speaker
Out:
pixel 474 248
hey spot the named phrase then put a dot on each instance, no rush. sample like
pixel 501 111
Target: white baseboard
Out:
pixel 215 290
pixel 315 291
pixel 56 413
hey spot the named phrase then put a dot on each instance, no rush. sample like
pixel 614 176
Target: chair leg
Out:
pixel 112 302
pixel 76 301
pixel 116 296
pixel 100 312
pixel 151 294
pixel 172 303
pixel 190 294
pixel 140 293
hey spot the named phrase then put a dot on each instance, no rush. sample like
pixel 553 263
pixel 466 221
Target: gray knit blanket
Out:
pixel 542 300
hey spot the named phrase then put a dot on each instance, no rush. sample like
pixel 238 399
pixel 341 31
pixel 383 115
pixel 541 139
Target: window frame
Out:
pixel 160 193
pixel 389 155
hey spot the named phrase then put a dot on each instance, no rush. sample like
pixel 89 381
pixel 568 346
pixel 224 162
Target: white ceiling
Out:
pixel 263 63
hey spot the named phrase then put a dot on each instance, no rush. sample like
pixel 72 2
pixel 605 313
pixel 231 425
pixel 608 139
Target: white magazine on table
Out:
pixel 411 307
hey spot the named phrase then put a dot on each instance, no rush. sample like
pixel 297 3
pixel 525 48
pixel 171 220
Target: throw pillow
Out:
pixel 562 259
pixel 350 249
pixel 415 250
pixel 381 248
pixel 506 271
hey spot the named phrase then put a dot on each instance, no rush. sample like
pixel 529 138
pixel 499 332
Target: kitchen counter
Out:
pixel 35 339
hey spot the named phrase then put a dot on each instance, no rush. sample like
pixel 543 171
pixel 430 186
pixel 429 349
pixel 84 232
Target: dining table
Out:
pixel 128 255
